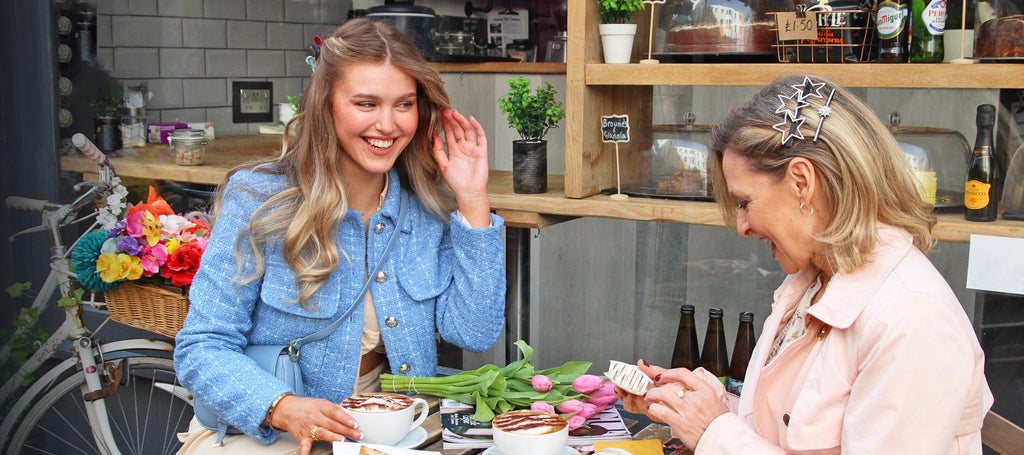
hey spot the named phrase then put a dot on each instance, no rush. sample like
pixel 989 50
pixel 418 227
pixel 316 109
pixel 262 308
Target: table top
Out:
pixel 434 443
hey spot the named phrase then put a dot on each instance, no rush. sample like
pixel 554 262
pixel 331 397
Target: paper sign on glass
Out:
pixel 792 27
pixel 996 264
pixel 615 128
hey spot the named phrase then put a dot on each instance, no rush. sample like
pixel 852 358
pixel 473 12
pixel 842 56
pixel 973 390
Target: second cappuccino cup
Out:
pixel 385 418
pixel 530 432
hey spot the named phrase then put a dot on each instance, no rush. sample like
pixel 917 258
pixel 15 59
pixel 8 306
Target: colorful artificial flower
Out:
pixel 150 242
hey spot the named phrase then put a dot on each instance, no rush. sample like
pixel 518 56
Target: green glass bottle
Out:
pixel 927 27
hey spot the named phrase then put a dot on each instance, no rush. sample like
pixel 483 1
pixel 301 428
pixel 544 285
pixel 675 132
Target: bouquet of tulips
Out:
pixel 150 243
pixel 566 389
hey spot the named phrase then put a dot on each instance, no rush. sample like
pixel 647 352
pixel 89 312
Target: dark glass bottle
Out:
pixel 715 356
pixel 686 353
pixel 741 352
pixel 981 193
pixel 892 29
pixel 927 27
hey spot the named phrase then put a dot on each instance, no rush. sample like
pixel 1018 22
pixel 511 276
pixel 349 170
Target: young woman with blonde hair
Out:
pixel 295 238
pixel 867 349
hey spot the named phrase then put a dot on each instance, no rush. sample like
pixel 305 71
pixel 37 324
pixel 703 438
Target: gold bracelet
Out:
pixel 270 412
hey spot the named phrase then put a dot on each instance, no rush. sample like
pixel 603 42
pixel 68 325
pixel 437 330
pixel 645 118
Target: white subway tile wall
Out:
pixel 189 51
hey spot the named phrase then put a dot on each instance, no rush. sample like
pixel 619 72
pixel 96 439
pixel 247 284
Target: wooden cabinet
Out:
pixel 594 89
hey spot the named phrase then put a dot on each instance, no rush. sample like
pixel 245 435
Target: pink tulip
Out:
pixel 541 383
pixel 587 383
pixel 602 401
pixel 542 406
pixel 575 422
pixel 570 406
pixel 588 411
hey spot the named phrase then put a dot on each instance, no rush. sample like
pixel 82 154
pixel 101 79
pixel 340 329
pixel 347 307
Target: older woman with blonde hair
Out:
pixel 296 237
pixel 866 350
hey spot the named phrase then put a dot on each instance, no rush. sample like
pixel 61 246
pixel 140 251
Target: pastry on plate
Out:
pixel 628 377
pixel 363 450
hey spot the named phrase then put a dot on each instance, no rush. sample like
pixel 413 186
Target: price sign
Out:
pixel 615 128
pixel 792 27
pixel 653 2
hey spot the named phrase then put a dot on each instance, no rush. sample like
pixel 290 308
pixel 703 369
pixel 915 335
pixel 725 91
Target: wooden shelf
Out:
pixel 916 75
pixel 553 207
pixel 501 67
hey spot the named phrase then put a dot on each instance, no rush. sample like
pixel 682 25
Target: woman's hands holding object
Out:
pixel 464 166
pixel 312 419
pixel 679 398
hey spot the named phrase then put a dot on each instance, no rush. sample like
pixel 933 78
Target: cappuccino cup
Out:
pixel 530 432
pixel 385 418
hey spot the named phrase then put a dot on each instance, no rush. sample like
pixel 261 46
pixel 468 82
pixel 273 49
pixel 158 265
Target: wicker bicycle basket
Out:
pixel 148 307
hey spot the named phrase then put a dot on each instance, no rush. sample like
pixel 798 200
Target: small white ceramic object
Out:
pixel 530 432
pixel 628 377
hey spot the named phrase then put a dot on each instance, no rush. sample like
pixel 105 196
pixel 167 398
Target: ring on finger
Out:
pixel 681 393
pixel 312 433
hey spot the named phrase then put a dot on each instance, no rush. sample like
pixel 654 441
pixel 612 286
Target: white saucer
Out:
pixel 565 451
pixel 413 438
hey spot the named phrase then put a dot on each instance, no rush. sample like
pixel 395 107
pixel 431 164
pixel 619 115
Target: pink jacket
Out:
pixel 889 364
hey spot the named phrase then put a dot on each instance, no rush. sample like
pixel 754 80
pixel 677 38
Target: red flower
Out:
pixel 182 265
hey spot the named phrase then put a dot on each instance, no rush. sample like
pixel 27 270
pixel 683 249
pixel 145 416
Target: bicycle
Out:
pixel 106 398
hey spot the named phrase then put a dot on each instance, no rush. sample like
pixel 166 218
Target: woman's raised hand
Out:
pixel 682 399
pixel 312 419
pixel 464 166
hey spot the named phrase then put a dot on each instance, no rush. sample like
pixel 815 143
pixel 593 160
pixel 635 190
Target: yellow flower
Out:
pixel 133 267
pixel 151 228
pixel 106 267
pixel 172 244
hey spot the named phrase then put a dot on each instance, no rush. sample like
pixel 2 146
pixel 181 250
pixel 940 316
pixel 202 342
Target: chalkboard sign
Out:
pixel 615 128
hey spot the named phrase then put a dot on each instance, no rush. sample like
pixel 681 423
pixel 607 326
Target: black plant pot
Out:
pixel 107 134
pixel 530 166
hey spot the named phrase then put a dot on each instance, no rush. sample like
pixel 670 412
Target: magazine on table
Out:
pixel 461 431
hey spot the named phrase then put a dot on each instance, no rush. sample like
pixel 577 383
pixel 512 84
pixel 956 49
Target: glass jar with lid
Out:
pixel 939 158
pixel 189 146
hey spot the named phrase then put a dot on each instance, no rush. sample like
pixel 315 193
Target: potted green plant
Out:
pixel 532 115
pixel 616 30
pixel 107 104
pixel 288 109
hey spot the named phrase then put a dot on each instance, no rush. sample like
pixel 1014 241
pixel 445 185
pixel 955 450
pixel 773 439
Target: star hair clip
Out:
pixel 791 118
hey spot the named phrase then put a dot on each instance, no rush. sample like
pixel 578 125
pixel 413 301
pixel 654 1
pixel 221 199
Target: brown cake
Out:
pixel 683 182
pixel 747 37
pixel 363 450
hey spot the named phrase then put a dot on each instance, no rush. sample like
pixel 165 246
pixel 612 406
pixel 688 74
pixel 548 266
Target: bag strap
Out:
pixel 296 345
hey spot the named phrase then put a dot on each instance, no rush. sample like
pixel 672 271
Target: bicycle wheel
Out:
pixel 144 418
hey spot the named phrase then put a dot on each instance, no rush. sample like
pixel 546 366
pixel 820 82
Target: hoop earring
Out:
pixel 808 213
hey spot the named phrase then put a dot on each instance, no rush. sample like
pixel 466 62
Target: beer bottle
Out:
pixel 685 354
pixel 927 27
pixel 891 22
pixel 742 350
pixel 981 194
pixel 715 356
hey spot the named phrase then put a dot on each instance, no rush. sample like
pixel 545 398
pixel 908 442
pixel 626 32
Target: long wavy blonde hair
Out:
pixel 307 213
pixel 866 177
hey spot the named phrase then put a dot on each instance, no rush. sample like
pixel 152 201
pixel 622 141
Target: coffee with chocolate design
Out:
pixel 529 422
pixel 377 402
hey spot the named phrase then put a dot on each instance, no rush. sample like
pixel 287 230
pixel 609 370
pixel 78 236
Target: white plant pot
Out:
pixel 617 41
pixel 285 112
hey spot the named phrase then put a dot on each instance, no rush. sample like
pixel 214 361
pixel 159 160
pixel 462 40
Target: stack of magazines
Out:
pixel 461 431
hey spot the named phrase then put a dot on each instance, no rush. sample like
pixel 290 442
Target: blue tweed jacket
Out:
pixel 442 276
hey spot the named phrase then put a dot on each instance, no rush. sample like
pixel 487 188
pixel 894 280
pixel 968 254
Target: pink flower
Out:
pixel 153 258
pixel 541 383
pixel 542 406
pixel 587 383
pixel 602 401
pixel 570 406
pixel 589 410
pixel 576 421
